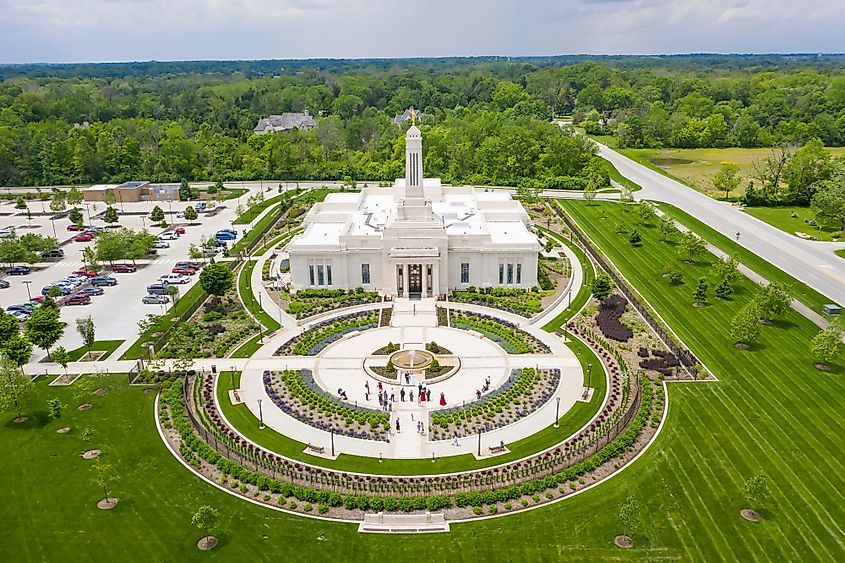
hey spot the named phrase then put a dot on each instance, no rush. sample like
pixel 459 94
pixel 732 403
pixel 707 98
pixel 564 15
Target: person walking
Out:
pixel 402 394
pixel 455 441
pixel 477 394
pixel 428 394
pixel 392 394
pixel 397 426
pixel 410 396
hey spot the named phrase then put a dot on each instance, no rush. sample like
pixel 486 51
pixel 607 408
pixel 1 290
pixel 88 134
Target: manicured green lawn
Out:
pixel 770 410
pixel 253 233
pixel 256 210
pixel 840 253
pixel 248 297
pixel 108 346
pixel 582 296
pixel 781 217
pixel 800 291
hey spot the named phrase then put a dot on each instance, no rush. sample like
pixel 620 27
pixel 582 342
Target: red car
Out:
pixel 77 300
pixel 180 230
pixel 84 237
pixel 85 273
pixel 123 268
pixel 38 299
pixel 184 271
pixel 73 227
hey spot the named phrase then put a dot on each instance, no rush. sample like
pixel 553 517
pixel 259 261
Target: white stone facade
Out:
pixel 416 239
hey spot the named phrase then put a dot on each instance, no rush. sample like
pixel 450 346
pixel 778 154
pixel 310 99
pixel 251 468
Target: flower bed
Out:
pixel 315 339
pixel 296 393
pixel 309 302
pixel 609 319
pixel 504 333
pixel 525 302
pixel 524 392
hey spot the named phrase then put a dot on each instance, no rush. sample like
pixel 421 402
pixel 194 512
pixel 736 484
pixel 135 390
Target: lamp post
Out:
pixel 260 416
pixel 232 376
pixel 331 431
pixel 84 265
pixel 26 283
pixel 143 222
pixel 55 234
pixel 569 294
pixel 589 372
pixel 88 211
pixel 479 442
pixel 557 413
pixel 260 326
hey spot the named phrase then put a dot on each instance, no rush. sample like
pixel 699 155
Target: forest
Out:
pixel 488 120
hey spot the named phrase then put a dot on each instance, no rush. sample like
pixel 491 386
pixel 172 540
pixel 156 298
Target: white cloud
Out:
pixel 97 30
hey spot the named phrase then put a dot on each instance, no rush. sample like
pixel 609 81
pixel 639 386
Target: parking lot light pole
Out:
pixel 55 234
pixel 26 283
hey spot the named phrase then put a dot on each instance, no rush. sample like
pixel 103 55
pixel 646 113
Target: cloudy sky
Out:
pixel 121 30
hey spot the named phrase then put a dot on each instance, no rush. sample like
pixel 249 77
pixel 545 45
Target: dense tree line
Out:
pixel 194 120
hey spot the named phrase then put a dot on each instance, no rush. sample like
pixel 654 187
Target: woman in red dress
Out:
pixel 422 395
pixel 442 399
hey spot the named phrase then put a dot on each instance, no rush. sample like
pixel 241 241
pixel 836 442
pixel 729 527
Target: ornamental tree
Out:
pixel 109 198
pixel 103 476
pixel 157 214
pixel 727 269
pixel 86 329
pixel 43 328
pixel 756 489
pixel 727 179
pixel 74 196
pixel 667 229
pixel 635 239
pixel 772 301
pixel 216 279
pixel 18 350
pixel 601 286
pixel 75 216
pixel 826 345
pixel 61 357
pixel 9 328
pixel 185 191
pixel 745 326
pixel 191 213
pixel 58 202
pixel 700 295
pixel 629 513
pixel 205 518
pixel 691 246
pixel 724 289
pixel 54 408
pixel 110 216
pixel 17 391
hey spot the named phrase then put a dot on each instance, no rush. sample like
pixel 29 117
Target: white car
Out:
pixel 180 215
pixel 169 235
pixel 162 244
pixel 20 315
pixel 174 278
pixel 6 233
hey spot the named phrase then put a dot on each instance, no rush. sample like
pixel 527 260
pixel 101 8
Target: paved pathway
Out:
pixel 810 262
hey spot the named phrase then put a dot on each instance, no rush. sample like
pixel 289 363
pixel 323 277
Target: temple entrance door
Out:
pixel 415 281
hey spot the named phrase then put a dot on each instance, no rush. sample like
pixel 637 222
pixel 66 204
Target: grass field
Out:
pixel 582 296
pixel 800 291
pixel 108 346
pixel 840 253
pixel 254 211
pixel 770 410
pixel 696 167
pixel 248 297
pixel 781 217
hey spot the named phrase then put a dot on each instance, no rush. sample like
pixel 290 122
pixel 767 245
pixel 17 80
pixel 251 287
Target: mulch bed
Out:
pixel 750 515
pixel 206 543
pixel 91 454
pixel 101 391
pixel 20 420
pixel 63 430
pixel 85 406
pixel 624 542
pixel 107 504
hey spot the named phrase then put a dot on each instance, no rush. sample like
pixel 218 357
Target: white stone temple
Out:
pixel 416 239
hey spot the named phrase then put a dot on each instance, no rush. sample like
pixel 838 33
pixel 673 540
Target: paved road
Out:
pixel 810 262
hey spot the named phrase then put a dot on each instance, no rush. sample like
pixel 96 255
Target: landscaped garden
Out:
pixel 307 302
pixel 320 335
pixel 505 334
pixel 525 391
pixel 296 394
pixel 212 331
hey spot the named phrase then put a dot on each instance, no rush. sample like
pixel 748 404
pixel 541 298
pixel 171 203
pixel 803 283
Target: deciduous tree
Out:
pixel 827 345
pixel 216 279
pixel 691 246
pixel 727 179
pixel 745 326
pixel 601 286
pixel 86 329
pixel 17 391
pixel 44 328
pixel 205 518
pixel 772 301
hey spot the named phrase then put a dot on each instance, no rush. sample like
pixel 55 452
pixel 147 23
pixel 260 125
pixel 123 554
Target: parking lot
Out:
pixel 117 311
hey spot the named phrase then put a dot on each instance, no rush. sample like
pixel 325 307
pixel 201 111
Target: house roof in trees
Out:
pixel 285 122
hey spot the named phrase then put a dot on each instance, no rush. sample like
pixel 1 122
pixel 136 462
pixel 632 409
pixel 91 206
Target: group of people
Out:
pixel 484 389
pixel 386 400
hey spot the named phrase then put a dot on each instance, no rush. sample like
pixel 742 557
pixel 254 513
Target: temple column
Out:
pixel 435 278
pixel 424 272
pixel 406 281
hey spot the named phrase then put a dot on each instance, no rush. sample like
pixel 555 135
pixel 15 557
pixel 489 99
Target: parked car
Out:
pixel 157 289
pixel 78 300
pixel 103 280
pixel 96 229
pixel 155 299
pixel 6 233
pixel 162 244
pixel 188 264
pixel 123 268
pixel 73 227
pixel 55 253
pixel 25 307
pixel 4 284
pixel 200 207
pixel 211 251
pixel 174 278
pixel 184 271
pixel 225 236
pixel 18 270
pixel 20 315
pixel 91 290
pixel 38 299
pixel 64 289
pixel 84 237
pixel 180 230
pixel 169 235
pixel 85 273
pixel 180 215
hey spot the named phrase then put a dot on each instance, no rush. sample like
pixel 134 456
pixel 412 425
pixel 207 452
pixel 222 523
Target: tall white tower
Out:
pixel 413 164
